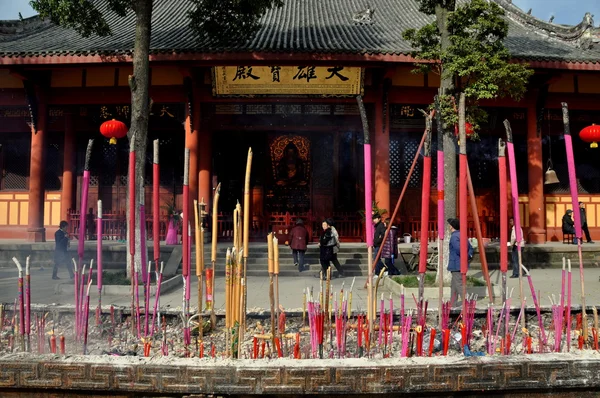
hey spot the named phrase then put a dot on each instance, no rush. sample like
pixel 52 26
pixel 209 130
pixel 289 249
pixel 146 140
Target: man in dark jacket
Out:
pixel 379 227
pixel 298 239
pixel 456 287
pixel 61 239
pixel 584 226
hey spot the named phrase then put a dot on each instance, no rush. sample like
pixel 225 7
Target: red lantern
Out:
pixel 113 129
pixel 468 130
pixel 591 134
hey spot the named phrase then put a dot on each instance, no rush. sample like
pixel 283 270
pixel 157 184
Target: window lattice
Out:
pixel 15 163
pixel 54 162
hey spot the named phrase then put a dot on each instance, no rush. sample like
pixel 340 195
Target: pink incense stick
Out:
pixel 569 306
pixel 575 204
pixel 28 300
pixel 86 318
pixel 84 201
pixel 186 211
pixel 21 300
pixel 132 215
pixel 157 298
pixel 99 256
pixel 156 205
pixel 144 255
pixel 540 322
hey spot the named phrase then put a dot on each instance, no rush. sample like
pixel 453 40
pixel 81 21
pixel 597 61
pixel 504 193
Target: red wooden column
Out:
pixel 537 213
pixel 35 228
pixel 67 195
pixel 381 138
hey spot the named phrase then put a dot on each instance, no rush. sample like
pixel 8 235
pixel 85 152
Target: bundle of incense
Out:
pixel 406 326
pixel 21 304
pixel 156 300
pixel 446 307
pixel 557 325
pixel 468 319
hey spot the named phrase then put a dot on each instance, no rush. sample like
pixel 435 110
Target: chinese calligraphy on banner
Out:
pixel 287 80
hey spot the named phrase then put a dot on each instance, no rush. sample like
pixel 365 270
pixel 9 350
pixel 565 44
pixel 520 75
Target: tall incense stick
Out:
pixel 482 254
pixel 462 175
pixel 368 207
pixel 132 216
pixel 246 238
pixel 440 209
pixel 99 258
pixel 576 211
pixel 82 223
pixel 515 205
pixel 503 216
pixel 425 194
pixel 199 258
pixel 144 255
pixel 210 277
pixel 156 204
pixel 27 303
pixel 21 303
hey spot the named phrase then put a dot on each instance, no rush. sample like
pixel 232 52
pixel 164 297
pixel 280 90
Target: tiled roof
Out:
pixel 315 26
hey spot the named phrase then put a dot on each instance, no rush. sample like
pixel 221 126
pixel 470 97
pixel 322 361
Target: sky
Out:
pixel 565 11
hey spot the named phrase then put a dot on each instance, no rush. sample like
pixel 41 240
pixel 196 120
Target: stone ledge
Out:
pixel 166 286
pixel 168 375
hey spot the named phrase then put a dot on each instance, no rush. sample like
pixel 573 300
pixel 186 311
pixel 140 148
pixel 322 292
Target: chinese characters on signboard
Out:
pixel 287 80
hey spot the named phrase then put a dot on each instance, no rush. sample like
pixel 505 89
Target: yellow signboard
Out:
pixel 287 80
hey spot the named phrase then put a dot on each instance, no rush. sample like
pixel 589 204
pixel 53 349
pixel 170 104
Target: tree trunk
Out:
pixel 140 109
pixel 446 88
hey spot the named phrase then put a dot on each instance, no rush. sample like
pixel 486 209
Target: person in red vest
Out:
pixel 298 239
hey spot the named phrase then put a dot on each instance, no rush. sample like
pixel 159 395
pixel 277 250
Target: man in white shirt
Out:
pixel 514 258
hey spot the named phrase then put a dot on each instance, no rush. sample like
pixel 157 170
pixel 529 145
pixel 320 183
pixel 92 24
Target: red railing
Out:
pixel 349 225
pixel 114 225
pixel 490 228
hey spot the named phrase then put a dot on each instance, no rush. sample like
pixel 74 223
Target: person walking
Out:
pixel 61 239
pixel 326 255
pixel 389 253
pixel 514 256
pixel 379 228
pixel 456 287
pixel 584 226
pixel 298 240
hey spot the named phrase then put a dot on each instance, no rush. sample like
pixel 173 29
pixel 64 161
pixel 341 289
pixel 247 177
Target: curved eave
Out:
pixel 258 58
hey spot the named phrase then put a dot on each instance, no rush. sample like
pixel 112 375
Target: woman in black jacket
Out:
pixel 327 255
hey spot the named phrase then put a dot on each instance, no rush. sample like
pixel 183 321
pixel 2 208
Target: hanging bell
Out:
pixel 550 176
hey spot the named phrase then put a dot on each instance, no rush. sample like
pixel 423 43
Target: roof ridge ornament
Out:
pixel 364 17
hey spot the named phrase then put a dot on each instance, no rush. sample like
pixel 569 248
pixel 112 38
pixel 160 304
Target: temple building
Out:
pixel 289 92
